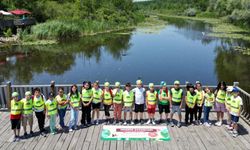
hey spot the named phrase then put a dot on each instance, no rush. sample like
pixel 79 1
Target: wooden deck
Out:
pixel 191 137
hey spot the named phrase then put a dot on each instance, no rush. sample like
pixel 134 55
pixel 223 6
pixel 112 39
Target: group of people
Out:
pixel 127 100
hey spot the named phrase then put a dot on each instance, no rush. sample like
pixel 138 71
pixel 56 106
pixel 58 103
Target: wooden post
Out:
pixel 8 94
pixel 236 83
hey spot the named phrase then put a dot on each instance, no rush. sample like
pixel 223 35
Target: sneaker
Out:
pixel 153 122
pixel 17 138
pixel 25 135
pixel 132 122
pixel 171 124
pixel 31 133
pixel 14 139
pixel 200 122
pixel 235 133
pixel 125 123
pixel 97 122
pixel 167 122
pixel 70 130
pixel 148 122
pixel 178 124
pixel 218 123
pixel 141 122
pixel 160 121
pixel 43 134
pixel 207 124
pixel 120 123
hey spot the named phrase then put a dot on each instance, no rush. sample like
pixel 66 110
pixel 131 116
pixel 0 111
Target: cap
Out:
pixel 230 88
pixel 106 84
pixel 14 94
pixel 139 82
pixel 117 84
pixel 176 82
pixel 51 94
pixel 28 93
pixel 151 85
pixel 163 83
pixel 235 90
pixel 197 82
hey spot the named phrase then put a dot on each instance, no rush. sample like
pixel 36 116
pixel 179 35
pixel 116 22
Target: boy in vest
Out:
pixel 164 99
pixel 15 115
pixel 227 103
pixel 151 99
pixel 199 103
pixel 51 112
pixel 27 114
pixel 128 103
pixel 87 96
pixel 235 109
pixel 176 95
pixel 62 102
pixel 117 101
pixel 39 108
pixel 107 101
pixel 139 100
pixel 96 102
pixel 190 100
pixel 209 102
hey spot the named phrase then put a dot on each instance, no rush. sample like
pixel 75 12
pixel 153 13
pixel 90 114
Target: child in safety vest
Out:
pixel 87 96
pixel 228 103
pixel 128 103
pixel 117 101
pixel 190 100
pixel 15 115
pixel 51 112
pixel 96 102
pixel 107 101
pixel 62 102
pixel 151 99
pixel 164 99
pixel 235 109
pixel 199 102
pixel 27 114
pixel 209 102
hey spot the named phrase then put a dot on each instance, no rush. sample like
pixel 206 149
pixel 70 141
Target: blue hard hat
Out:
pixel 235 89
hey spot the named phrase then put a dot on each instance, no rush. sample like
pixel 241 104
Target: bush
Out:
pixel 240 17
pixel 8 33
pixel 191 12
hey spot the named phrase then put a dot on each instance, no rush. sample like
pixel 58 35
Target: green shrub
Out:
pixel 8 33
pixel 240 17
pixel 191 12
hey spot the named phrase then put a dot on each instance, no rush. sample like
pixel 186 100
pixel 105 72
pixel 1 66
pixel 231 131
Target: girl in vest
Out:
pixel 128 103
pixel 107 101
pixel 117 101
pixel 74 99
pixel 163 105
pixel 199 102
pixel 62 102
pixel 209 102
pixel 228 103
pixel 96 102
pixel 220 108
pixel 15 115
pixel 235 109
pixel 190 100
pixel 87 94
pixel 27 114
pixel 51 112
pixel 151 98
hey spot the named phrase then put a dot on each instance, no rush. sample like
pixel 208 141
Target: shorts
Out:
pixel 27 118
pixel 139 108
pixel 176 108
pixel 151 110
pixel 220 107
pixel 234 118
pixel 127 109
pixel 15 123
pixel 96 105
pixel 163 108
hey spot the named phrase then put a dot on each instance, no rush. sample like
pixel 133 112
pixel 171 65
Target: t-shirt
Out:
pixel 241 103
pixel 15 116
pixel 163 102
pixel 139 95
pixel 175 103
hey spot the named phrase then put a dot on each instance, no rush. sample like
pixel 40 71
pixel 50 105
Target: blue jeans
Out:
pixel 73 118
pixel 206 113
pixel 62 113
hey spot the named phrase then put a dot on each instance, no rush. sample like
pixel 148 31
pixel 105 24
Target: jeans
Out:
pixel 41 120
pixel 62 113
pixel 52 123
pixel 206 113
pixel 73 118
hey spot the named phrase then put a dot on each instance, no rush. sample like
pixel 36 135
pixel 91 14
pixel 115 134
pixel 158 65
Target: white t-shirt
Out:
pixel 139 95
pixel 241 103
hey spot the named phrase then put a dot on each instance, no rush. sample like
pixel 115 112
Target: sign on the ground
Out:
pixel 158 133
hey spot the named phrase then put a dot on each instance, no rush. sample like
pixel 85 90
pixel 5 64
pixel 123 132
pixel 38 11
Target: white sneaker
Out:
pixel 97 122
pixel 235 133
pixel 148 122
pixel 132 122
pixel 153 122
pixel 207 124
pixel 125 123
pixel 70 130
pixel 218 123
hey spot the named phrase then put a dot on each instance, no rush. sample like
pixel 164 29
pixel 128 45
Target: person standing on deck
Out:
pixel 176 94
pixel 107 101
pixel 163 106
pixel 227 103
pixel 220 107
pixel 139 101
pixel 96 102
pixel 39 108
pixel 15 115
pixel 62 102
pixel 27 113
pixel 151 100
pixel 209 101
pixel 190 100
pixel 74 99
pixel 199 103
pixel 51 112
pixel 117 101
pixel 128 102
pixel 87 96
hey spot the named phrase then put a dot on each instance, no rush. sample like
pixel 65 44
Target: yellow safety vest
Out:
pixel 38 103
pixel 97 94
pixel 75 100
pixel 235 105
pixel 86 95
pixel 199 97
pixel 191 99
pixel 107 98
pixel 118 97
pixel 27 106
pixel 209 100
pixel 16 107
pixel 128 98
pixel 58 98
pixel 152 97
pixel 228 100
pixel 176 95
pixel 51 107
pixel 221 95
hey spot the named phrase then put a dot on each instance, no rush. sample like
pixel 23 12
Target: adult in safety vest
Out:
pixel 209 102
pixel 87 96
pixel 128 103
pixel 96 102
pixel 62 102
pixel 151 99
pixel 117 101
pixel 107 101
pixel 51 111
pixel 190 100
pixel 27 114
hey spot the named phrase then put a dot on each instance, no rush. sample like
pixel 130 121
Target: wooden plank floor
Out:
pixel 191 137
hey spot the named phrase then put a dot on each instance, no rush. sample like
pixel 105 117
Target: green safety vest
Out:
pixel 61 99
pixel 176 95
pixel 118 97
pixel 221 95
pixel 97 94
pixel 152 97
pixel 235 105
pixel 27 106
pixel 128 98
pixel 75 100
pixel 16 107
pixel 107 98
pixel 199 97
pixel 228 99
pixel 191 99
pixel 51 107
pixel 209 100
pixel 86 95
pixel 163 94
pixel 38 103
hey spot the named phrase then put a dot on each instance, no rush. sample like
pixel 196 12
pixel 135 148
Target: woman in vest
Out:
pixel 190 100
pixel 27 113
pixel 87 96
pixel 117 101
pixel 208 104
pixel 220 107
pixel 62 102
pixel 74 99
pixel 199 102
pixel 51 112
pixel 107 101
pixel 96 102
